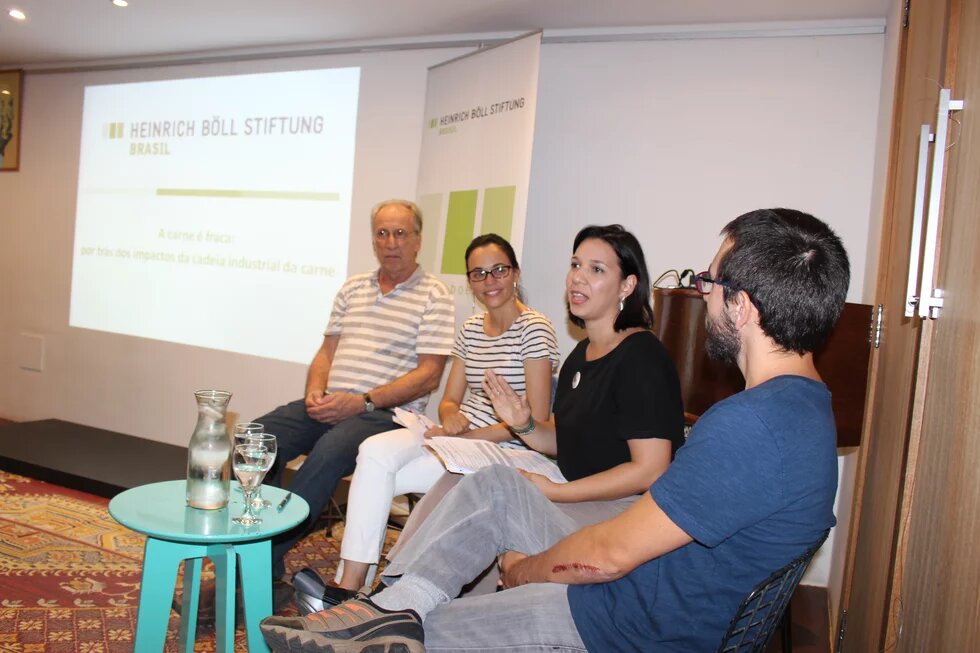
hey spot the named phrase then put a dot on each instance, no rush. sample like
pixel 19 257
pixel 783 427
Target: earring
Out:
pixel 620 304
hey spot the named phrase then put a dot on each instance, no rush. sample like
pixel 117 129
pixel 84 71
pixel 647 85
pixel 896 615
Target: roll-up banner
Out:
pixel 475 163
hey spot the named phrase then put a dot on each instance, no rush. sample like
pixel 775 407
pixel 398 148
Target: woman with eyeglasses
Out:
pixel 517 342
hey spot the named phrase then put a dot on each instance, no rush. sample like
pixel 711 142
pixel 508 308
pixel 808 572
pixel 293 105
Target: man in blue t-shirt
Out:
pixel 750 491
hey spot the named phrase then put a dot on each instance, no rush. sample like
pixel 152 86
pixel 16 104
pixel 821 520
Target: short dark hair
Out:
pixel 492 239
pixel 794 269
pixel 637 311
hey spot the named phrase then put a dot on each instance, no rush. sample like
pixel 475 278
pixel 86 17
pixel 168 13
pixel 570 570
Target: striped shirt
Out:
pixel 531 336
pixel 381 336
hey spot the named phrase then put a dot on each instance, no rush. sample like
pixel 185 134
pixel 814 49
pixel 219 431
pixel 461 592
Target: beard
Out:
pixel 722 343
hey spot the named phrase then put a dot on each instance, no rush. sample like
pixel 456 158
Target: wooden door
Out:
pixel 891 435
pixel 937 604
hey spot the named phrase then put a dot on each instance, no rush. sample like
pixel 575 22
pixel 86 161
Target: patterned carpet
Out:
pixel 70 575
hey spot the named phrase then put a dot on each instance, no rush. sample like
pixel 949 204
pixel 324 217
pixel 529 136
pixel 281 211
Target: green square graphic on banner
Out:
pixel 460 223
pixel 498 211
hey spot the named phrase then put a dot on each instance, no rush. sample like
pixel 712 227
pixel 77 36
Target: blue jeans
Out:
pixel 487 513
pixel 330 449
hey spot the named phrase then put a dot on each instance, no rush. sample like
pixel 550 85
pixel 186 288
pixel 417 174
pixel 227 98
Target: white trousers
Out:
pixel 388 465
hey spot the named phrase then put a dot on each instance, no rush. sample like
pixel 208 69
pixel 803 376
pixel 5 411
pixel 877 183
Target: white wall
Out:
pixel 670 138
pixel 673 139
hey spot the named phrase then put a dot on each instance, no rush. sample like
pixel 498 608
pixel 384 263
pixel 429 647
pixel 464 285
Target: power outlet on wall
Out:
pixel 30 352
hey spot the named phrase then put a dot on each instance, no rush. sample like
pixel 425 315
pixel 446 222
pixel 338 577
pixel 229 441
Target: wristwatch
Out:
pixel 368 404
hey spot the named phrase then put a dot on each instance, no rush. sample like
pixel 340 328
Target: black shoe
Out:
pixel 356 626
pixel 282 592
pixel 313 595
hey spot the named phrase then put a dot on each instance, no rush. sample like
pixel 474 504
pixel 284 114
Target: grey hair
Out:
pixel 411 206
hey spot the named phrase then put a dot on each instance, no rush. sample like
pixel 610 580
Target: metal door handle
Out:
pixel 915 252
pixel 930 297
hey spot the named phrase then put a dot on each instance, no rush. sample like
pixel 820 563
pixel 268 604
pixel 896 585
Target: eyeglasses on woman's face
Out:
pixel 477 275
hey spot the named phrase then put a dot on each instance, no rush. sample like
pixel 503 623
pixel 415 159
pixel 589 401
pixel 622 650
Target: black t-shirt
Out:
pixel 630 393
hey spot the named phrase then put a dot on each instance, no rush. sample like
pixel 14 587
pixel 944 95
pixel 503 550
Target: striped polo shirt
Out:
pixel 381 336
pixel 530 336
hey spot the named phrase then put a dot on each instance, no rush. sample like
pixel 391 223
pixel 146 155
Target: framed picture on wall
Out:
pixel 10 117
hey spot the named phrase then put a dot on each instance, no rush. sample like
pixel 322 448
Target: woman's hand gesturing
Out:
pixel 511 407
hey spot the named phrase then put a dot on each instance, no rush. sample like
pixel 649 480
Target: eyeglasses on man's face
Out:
pixel 704 283
pixel 498 272
pixel 382 235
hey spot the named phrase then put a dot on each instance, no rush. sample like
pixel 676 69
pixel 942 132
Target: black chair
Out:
pixel 766 606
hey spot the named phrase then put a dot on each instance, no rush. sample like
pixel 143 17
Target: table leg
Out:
pixel 160 561
pixel 225 576
pixel 256 564
pixel 189 604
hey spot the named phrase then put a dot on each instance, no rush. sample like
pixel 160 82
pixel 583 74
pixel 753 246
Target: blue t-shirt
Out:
pixel 754 487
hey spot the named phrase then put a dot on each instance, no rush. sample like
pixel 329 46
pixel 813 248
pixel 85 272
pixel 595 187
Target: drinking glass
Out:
pixel 250 462
pixel 244 429
pixel 268 441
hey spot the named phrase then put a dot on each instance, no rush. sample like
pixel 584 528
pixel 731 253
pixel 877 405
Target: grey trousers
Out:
pixel 493 511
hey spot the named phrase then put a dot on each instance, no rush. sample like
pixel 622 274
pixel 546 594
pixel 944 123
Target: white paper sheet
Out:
pixel 464 456
pixel 414 422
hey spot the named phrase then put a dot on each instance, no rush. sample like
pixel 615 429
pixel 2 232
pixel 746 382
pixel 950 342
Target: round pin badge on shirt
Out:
pixel 576 379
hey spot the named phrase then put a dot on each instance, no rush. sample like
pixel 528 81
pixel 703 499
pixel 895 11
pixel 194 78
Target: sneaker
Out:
pixel 356 626
pixel 313 595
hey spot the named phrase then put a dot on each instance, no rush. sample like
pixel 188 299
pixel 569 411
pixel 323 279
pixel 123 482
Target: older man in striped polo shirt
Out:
pixel 385 345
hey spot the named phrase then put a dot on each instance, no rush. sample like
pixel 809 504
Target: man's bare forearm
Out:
pixel 319 371
pixel 605 551
pixel 578 559
pixel 419 382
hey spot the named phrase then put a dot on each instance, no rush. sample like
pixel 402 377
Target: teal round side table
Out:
pixel 176 533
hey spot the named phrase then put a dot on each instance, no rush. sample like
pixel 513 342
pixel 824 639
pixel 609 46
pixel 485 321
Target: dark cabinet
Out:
pixel 842 362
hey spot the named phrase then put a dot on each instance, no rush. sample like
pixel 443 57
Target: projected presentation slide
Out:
pixel 215 212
